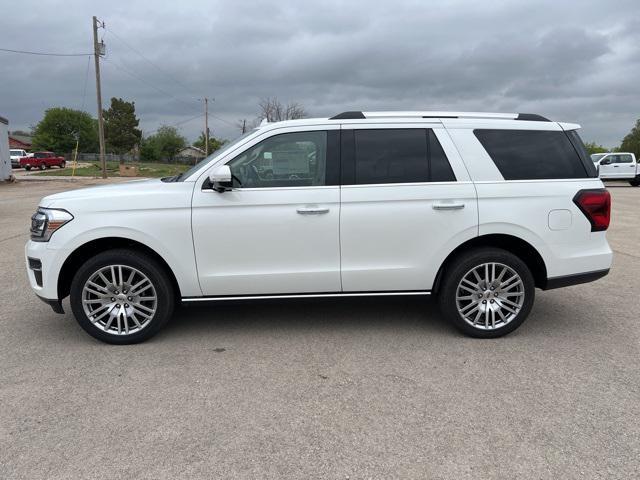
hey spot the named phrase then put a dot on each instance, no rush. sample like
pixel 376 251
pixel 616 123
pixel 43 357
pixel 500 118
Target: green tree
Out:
pixel 593 147
pixel 214 143
pixel 164 144
pixel 120 126
pixel 60 127
pixel 631 143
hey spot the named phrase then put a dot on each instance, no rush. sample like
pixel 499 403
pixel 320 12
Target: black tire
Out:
pixel 635 182
pixel 145 264
pixel 63 164
pixel 27 168
pixel 43 166
pixel 461 266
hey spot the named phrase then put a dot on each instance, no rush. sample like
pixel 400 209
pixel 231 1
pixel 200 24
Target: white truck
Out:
pixel 16 155
pixel 617 166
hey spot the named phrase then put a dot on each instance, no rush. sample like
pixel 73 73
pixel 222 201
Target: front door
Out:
pixel 277 230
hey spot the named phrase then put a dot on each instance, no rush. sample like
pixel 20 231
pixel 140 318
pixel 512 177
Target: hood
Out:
pixel 114 190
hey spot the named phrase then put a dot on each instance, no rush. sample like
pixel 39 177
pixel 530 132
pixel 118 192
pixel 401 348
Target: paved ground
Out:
pixel 356 388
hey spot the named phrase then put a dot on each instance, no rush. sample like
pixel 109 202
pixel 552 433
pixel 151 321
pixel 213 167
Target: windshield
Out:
pixel 227 146
pixel 597 156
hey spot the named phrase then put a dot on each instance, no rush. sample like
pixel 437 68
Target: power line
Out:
pixel 161 70
pixel 130 73
pixel 86 81
pixel 177 124
pixel 45 54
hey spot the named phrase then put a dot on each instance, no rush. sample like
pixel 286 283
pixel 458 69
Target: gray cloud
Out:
pixel 575 61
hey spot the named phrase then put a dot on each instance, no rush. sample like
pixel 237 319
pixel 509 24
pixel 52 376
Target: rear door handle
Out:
pixel 312 210
pixel 448 206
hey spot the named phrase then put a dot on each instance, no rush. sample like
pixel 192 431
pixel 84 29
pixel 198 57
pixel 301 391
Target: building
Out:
pixel 191 152
pixel 5 159
pixel 21 142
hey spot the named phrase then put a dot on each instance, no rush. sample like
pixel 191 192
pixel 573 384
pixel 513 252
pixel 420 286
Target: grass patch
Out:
pixel 113 170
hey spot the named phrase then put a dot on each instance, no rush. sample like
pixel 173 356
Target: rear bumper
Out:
pixel 575 279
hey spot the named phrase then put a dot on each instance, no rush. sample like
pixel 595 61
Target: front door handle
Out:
pixel 312 210
pixel 448 206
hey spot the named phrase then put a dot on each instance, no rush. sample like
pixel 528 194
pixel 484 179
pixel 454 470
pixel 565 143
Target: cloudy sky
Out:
pixel 576 61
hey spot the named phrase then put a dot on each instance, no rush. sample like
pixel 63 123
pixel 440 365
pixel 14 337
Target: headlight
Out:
pixel 46 221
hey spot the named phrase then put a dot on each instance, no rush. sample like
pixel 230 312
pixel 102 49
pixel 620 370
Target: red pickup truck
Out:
pixel 42 160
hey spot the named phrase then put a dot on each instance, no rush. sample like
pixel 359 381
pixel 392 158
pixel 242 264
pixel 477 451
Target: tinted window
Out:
pixel 579 147
pixel 440 169
pixel 286 160
pixel 399 156
pixel 532 154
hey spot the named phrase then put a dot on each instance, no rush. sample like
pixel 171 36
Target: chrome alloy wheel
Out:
pixel 489 296
pixel 119 299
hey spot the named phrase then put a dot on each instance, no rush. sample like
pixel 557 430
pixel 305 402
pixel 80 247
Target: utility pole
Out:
pixel 206 127
pixel 244 126
pixel 96 54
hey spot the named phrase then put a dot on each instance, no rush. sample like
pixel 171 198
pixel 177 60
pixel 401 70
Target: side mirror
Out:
pixel 605 161
pixel 221 179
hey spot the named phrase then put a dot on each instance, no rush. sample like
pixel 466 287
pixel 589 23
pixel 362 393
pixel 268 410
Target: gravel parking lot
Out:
pixel 351 388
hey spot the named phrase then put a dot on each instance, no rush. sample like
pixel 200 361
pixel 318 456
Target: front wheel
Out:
pixel 27 168
pixel 635 182
pixel 121 297
pixel 487 292
pixel 42 166
pixel 63 164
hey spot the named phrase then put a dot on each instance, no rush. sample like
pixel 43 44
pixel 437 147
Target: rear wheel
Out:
pixel 63 164
pixel 121 297
pixel 635 182
pixel 487 292
pixel 42 166
pixel 27 168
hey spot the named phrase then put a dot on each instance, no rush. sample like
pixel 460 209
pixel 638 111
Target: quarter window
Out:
pixel 399 156
pixel 532 154
pixel 286 160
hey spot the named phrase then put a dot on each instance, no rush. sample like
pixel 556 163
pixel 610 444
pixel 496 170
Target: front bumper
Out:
pixel 43 268
pixel 56 305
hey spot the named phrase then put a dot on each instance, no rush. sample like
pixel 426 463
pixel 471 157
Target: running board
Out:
pixel 305 295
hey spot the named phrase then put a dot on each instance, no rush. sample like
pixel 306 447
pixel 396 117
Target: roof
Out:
pixel 22 138
pixel 4 120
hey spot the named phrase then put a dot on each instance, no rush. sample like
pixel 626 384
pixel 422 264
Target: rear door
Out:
pixel 406 202
pixel 625 167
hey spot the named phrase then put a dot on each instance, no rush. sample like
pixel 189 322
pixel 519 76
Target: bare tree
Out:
pixel 273 110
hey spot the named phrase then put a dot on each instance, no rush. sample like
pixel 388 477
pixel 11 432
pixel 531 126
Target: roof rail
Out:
pixel 431 114
pixel 348 116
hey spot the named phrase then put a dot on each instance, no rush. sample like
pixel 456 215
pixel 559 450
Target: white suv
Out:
pixel 476 208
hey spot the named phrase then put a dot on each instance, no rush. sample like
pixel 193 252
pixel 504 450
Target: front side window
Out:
pixel 285 160
pixel 399 156
pixel 533 154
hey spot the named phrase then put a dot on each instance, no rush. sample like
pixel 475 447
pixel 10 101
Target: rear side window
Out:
pixel 399 156
pixel 533 154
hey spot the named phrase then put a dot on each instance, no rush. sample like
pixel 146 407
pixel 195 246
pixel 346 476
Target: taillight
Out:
pixel 596 206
